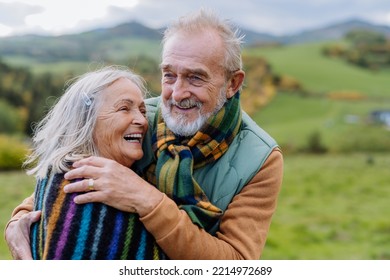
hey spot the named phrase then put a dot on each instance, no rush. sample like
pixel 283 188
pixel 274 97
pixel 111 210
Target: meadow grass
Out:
pixel 14 186
pixel 320 74
pixel 60 68
pixel 292 119
pixel 332 207
pixel 119 51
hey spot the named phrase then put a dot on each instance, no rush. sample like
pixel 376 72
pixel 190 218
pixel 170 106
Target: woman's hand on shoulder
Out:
pixel 17 235
pixel 113 184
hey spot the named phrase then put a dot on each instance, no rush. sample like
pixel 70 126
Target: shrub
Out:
pixel 314 144
pixel 12 152
pixel 346 95
pixel 287 83
pixel 10 119
pixel 367 138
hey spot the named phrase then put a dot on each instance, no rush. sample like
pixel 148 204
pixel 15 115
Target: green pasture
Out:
pixel 15 186
pixel 118 51
pixel 344 126
pixel 330 207
pixel 320 74
pixel 54 68
pixel 292 120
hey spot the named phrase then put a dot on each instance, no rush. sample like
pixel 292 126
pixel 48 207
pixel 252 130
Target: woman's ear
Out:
pixel 235 82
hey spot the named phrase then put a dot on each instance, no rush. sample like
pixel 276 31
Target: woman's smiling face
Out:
pixel 121 123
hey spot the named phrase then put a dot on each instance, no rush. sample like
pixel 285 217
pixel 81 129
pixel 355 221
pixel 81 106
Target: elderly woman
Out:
pixel 101 114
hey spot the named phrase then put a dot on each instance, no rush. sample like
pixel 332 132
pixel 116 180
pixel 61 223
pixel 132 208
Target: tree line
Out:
pixel 25 97
pixel 364 48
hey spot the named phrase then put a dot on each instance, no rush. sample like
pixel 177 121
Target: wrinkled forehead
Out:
pixel 122 88
pixel 195 54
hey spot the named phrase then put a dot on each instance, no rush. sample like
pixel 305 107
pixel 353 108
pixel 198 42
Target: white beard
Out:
pixel 180 125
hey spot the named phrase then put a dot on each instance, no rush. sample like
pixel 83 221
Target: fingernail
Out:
pixel 66 188
pixel 75 200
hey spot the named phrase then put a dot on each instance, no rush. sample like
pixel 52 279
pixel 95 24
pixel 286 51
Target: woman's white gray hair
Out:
pixel 64 135
pixel 206 19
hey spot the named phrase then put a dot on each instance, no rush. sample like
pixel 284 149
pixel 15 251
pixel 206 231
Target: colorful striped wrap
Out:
pixel 88 231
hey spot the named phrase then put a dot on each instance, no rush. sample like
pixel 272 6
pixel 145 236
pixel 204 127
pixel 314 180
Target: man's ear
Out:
pixel 235 82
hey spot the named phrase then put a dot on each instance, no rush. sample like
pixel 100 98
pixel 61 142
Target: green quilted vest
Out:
pixel 223 179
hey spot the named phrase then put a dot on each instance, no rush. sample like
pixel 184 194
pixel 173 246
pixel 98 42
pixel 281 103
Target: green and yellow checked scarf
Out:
pixel 177 157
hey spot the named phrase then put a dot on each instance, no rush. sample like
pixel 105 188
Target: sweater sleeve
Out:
pixel 26 206
pixel 244 225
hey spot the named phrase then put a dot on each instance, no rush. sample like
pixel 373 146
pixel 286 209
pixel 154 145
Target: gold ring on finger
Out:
pixel 90 184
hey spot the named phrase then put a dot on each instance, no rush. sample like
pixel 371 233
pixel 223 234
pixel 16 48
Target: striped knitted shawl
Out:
pixel 177 157
pixel 89 231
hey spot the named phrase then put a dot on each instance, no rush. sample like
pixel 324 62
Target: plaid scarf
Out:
pixel 177 157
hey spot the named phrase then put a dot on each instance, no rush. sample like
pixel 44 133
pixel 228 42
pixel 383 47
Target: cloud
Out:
pixel 13 17
pixel 14 14
pixel 56 17
pixel 276 17
pixel 113 16
pixel 5 30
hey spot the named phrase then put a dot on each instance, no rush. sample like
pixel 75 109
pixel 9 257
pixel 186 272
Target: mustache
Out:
pixel 185 103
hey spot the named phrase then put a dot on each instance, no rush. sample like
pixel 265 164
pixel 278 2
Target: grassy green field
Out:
pixel 332 207
pixel 113 52
pixel 292 118
pixel 320 74
pixel 15 186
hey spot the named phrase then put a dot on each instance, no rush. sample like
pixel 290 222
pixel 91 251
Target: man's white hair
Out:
pixel 205 19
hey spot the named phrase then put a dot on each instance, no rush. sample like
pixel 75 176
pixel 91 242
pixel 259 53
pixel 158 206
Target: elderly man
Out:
pixel 208 184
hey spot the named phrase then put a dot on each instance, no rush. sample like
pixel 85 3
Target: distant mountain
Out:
pixel 133 38
pixel 130 29
pixel 334 32
pixel 103 43
pixel 252 37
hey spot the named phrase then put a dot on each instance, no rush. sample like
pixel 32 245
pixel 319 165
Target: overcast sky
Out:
pixel 278 17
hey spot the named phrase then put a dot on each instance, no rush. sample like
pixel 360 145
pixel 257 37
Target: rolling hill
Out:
pixel 334 32
pixel 133 39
